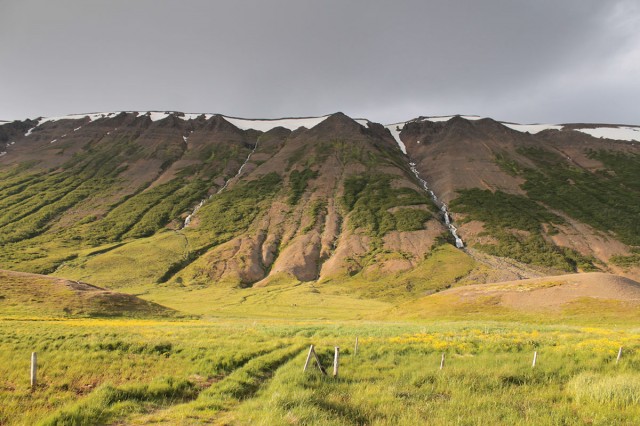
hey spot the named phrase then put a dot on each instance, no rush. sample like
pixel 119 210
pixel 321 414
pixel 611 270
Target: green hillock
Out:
pixel 33 296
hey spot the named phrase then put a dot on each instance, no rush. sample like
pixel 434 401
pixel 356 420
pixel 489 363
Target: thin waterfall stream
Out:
pixel 443 206
pixel 187 220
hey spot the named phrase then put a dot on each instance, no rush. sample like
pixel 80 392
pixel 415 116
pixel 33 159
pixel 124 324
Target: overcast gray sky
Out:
pixel 514 60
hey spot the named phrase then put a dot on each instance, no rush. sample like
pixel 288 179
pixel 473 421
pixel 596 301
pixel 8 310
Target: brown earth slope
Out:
pixel 565 298
pixel 33 295
pixel 551 292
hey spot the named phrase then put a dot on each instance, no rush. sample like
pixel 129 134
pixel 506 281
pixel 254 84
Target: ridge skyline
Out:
pixel 79 115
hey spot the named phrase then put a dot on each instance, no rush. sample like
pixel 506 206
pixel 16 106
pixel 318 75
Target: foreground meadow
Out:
pixel 116 371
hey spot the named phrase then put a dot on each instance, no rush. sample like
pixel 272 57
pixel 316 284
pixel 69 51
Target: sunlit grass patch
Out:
pixel 619 390
pixel 108 402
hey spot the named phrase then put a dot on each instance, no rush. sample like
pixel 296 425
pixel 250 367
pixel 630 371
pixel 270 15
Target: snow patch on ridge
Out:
pixel 154 115
pixel 189 116
pixel 623 133
pixel 32 129
pixel 532 128
pixel 265 125
pixel 92 117
pixel 194 116
pixel 440 118
pixel 620 133
pixel 395 130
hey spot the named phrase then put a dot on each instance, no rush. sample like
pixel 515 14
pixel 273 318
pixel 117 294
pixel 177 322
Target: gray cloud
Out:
pixel 574 60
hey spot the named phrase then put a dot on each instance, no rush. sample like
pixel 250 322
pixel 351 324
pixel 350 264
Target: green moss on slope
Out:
pixel 504 215
pixel 298 181
pixel 369 198
pixel 608 200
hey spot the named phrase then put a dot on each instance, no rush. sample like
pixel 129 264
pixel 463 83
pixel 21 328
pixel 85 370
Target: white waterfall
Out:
pixel 239 170
pixel 188 219
pixel 443 207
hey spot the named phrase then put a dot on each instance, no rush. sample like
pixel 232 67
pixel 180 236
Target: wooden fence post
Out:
pixel 306 363
pixel 535 358
pixel 442 361
pixel 619 355
pixel 312 351
pixel 34 370
pixel 336 358
pixel 355 349
pixel 315 355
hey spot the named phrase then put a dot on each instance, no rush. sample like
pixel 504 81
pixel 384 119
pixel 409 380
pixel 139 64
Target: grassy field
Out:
pixel 110 371
pixel 235 356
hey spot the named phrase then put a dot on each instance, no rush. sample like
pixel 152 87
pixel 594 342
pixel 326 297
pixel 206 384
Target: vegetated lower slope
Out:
pixel 106 181
pixel 24 295
pixel 558 198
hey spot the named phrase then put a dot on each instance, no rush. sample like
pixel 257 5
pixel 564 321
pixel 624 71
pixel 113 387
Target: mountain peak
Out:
pixel 340 123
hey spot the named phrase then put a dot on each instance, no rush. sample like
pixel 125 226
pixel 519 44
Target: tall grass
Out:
pixel 108 402
pixel 250 372
pixel 619 390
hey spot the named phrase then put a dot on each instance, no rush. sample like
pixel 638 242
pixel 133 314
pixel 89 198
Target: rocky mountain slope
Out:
pixel 195 200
